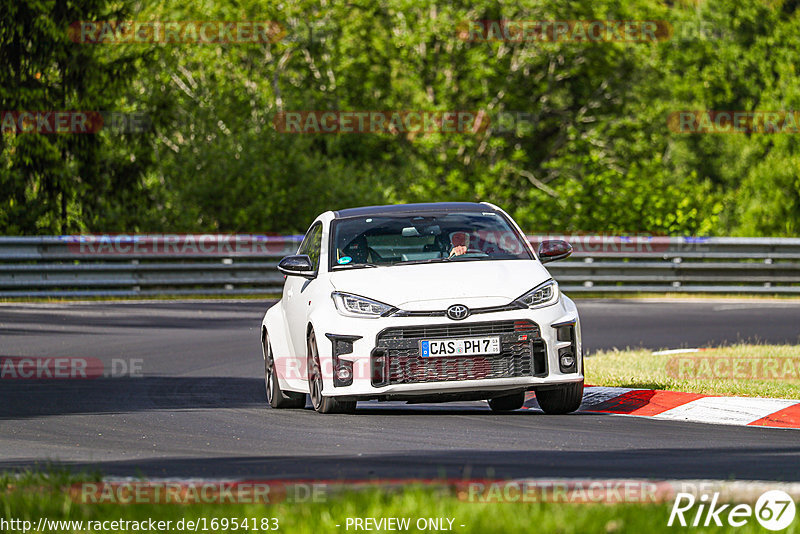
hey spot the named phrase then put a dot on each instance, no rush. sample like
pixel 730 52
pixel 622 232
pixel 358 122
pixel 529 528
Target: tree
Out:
pixel 65 182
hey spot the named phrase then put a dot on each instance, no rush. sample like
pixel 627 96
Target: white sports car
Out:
pixel 422 303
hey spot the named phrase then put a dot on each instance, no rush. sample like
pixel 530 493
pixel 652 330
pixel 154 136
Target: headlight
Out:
pixel 355 306
pixel 540 296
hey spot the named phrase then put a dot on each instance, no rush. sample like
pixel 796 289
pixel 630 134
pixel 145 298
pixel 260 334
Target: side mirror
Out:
pixel 299 265
pixel 554 249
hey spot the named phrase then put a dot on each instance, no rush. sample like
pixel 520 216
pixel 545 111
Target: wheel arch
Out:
pixel 273 328
pixel 309 329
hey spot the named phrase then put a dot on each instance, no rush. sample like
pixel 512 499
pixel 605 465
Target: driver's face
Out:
pixel 459 239
pixel 460 242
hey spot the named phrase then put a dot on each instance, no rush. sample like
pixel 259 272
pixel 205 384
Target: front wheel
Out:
pixel 321 403
pixel 561 400
pixel 276 397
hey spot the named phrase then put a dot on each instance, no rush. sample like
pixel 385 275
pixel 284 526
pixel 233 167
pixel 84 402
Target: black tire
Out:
pixel 276 397
pixel 507 403
pixel 561 400
pixel 321 403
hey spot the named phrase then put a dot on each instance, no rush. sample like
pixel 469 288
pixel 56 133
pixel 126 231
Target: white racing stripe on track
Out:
pixel 726 410
pixel 674 351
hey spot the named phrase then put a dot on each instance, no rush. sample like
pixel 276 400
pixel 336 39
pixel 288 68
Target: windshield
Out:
pixel 424 238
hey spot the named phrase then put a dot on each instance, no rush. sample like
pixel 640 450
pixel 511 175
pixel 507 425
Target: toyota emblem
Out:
pixel 457 312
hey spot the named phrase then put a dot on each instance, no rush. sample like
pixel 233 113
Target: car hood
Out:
pixel 438 285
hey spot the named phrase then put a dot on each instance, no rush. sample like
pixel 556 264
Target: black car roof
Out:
pixel 394 209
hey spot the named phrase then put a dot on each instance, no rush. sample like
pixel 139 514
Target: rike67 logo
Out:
pixel 774 510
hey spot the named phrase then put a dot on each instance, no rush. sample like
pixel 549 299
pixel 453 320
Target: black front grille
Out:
pixel 396 358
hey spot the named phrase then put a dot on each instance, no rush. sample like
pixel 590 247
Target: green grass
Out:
pixel 700 372
pixel 36 495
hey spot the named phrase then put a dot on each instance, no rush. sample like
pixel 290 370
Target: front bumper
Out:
pixel 382 356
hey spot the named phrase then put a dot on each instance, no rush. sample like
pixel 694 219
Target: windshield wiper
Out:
pixel 461 257
pixel 351 265
pixel 417 262
pixel 466 257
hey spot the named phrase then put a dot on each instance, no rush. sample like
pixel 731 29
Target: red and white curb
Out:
pixel 694 407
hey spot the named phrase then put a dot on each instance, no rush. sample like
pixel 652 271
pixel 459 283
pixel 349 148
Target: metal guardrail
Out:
pixel 144 265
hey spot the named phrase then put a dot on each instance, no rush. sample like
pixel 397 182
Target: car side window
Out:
pixel 312 245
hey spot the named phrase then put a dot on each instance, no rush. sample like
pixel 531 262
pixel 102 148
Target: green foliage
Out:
pixel 587 148
pixel 53 183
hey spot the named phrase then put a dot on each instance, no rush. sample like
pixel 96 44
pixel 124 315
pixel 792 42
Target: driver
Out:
pixel 459 243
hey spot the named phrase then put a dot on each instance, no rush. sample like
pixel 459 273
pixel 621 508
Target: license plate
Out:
pixel 459 347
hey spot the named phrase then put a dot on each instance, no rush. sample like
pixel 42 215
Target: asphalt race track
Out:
pixel 198 408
